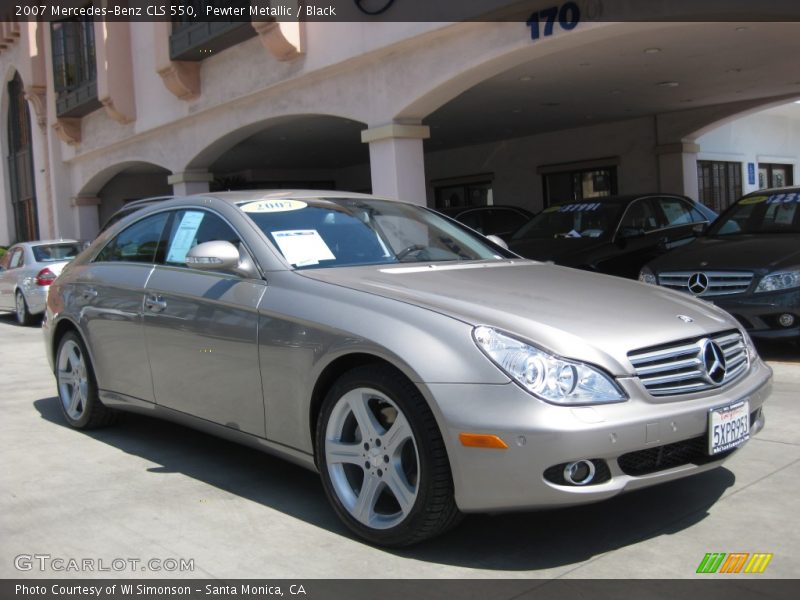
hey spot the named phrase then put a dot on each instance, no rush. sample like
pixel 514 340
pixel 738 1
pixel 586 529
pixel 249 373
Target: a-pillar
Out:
pixel 677 168
pixel 397 161
pixel 190 182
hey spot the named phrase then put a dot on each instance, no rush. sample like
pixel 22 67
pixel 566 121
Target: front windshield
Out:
pixel 56 252
pixel 765 213
pixel 336 232
pixel 571 221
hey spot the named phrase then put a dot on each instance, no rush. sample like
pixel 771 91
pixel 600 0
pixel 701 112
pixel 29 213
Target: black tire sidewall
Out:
pixel 25 319
pixel 394 388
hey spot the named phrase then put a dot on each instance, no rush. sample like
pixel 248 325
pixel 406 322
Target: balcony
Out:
pixel 195 41
pixel 74 68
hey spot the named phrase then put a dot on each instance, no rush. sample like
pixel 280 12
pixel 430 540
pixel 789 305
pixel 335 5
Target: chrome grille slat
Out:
pixel 667 366
pixel 678 368
pixel 720 283
pixel 650 381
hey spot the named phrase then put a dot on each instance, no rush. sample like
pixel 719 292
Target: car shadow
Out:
pixel 511 542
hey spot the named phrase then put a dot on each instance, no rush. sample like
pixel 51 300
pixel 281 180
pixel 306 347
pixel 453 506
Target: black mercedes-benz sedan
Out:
pixel 748 262
pixel 616 235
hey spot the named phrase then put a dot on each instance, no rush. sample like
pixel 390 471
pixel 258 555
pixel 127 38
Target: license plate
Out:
pixel 728 427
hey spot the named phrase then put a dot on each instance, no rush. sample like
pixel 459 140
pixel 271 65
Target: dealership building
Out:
pixel 96 113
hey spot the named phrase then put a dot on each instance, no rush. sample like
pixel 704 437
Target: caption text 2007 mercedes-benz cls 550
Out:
pixel 422 369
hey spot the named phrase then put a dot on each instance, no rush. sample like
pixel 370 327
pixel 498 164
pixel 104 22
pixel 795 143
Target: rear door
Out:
pixel 12 263
pixel 202 330
pixel 108 295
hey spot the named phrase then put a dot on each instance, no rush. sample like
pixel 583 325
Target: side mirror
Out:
pixel 700 228
pixel 219 256
pixel 497 240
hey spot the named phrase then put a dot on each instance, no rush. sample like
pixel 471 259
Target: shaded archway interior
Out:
pixel 305 151
pixel 624 77
pixel 125 183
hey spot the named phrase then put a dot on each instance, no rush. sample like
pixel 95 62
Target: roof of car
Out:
pixel 33 243
pixel 775 190
pixel 252 195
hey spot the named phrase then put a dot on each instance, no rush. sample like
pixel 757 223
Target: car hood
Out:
pixel 576 314
pixel 566 251
pixel 751 252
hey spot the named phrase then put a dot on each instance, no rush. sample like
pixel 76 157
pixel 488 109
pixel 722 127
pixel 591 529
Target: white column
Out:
pixel 190 182
pixel 397 161
pixel 677 168
pixel 87 217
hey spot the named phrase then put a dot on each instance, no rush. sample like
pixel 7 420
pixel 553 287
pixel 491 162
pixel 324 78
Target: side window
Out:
pixel 472 220
pixel 137 243
pixel 192 227
pixel 16 259
pixel 677 212
pixel 640 218
pixel 504 221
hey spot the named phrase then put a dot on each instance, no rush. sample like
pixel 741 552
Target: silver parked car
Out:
pixel 26 272
pixel 421 369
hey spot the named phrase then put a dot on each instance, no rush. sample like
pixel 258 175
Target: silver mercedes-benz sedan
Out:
pixel 422 369
pixel 26 272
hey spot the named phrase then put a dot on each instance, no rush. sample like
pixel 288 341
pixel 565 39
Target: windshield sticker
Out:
pixel 752 200
pixel 580 207
pixel 791 197
pixel 273 206
pixel 302 247
pixel 184 237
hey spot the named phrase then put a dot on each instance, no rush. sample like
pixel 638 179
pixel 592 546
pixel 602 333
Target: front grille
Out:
pixel 677 368
pixel 720 283
pixel 669 456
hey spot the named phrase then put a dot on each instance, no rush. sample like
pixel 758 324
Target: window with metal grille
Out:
pixel 74 67
pixel 719 183
pixel 20 164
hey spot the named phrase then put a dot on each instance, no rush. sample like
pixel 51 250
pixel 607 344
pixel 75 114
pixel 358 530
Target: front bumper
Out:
pixel 540 436
pixel 759 313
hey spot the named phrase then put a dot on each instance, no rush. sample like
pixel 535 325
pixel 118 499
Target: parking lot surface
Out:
pixel 148 489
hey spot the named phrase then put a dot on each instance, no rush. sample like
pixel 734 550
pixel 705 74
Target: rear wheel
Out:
pixel 382 459
pixel 24 316
pixel 77 388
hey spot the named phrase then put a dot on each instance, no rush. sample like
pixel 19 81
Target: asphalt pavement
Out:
pixel 150 490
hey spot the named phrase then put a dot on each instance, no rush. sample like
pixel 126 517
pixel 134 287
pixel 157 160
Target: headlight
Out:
pixel 647 276
pixel 779 281
pixel 547 376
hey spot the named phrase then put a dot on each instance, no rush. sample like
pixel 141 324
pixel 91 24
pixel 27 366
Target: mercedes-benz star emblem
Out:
pixel 685 319
pixel 713 361
pixel 698 283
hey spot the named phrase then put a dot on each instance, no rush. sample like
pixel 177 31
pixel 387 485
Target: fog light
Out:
pixel 786 320
pixel 579 472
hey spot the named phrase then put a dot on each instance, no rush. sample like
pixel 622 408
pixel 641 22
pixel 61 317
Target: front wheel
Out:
pixel 77 388
pixel 383 463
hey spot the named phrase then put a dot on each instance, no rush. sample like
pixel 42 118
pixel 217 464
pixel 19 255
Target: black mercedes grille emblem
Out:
pixel 698 283
pixel 713 361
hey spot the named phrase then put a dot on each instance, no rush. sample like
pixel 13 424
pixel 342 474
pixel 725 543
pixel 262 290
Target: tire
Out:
pixel 77 387
pixel 24 316
pixel 391 486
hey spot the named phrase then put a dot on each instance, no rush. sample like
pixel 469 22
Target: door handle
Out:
pixel 154 303
pixel 89 293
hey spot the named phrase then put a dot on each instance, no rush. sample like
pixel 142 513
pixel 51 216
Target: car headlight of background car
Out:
pixel 779 281
pixel 647 276
pixel 546 376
